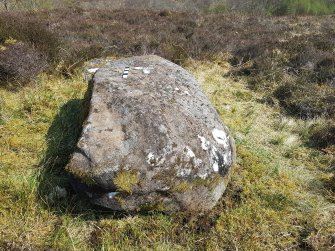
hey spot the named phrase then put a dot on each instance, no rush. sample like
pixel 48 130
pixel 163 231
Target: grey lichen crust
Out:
pixel 151 139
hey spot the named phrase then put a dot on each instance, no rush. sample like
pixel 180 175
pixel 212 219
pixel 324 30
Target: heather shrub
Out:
pixel 29 29
pixel 325 71
pixel 35 32
pixel 20 63
pixel 323 135
pixel 71 58
pixel 306 100
pixel 68 38
pixel 299 72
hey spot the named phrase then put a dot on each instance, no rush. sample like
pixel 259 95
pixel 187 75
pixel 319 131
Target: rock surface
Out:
pixel 151 140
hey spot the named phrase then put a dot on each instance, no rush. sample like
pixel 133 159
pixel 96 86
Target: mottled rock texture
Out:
pixel 151 139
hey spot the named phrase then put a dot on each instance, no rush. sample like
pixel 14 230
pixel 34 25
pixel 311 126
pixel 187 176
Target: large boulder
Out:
pixel 151 140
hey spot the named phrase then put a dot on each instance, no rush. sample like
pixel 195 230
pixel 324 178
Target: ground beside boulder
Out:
pixel 151 140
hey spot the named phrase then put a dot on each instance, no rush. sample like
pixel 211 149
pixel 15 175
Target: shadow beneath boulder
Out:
pixel 54 183
pixel 55 190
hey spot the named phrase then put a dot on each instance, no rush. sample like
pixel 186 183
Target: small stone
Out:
pixel 58 193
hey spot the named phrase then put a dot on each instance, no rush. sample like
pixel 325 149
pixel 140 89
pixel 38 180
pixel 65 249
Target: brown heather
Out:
pixel 271 79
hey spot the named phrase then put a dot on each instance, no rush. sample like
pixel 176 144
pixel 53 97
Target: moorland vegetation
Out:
pixel 271 77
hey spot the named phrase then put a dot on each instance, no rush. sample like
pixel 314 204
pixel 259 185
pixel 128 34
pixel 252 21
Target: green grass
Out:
pixel 279 197
pixel 272 7
pixel 279 7
pixel 125 181
pixel 311 7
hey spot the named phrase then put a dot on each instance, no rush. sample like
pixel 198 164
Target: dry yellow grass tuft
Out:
pixel 126 181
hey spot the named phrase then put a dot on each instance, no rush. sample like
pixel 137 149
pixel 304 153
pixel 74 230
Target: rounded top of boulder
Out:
pixel 151 137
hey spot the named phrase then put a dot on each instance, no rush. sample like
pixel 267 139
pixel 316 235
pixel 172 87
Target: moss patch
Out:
pixel 126 181
pixel 84 177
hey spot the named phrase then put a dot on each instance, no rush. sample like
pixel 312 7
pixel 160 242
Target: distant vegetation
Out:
pixel 275 7
pixel 266 7
pixel 299 7
pixel 271 78
pixel 290 59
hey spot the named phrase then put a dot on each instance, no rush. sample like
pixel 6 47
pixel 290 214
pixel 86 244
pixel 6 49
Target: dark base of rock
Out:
pixel 192 198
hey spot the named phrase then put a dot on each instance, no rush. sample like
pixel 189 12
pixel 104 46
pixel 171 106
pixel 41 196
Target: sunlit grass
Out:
pixel 278 198
pixel 26 116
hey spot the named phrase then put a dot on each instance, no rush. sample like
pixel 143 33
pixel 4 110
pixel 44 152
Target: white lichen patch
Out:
pixel 215 158
pixel 221 137
pixel 146 70
pixel 202 175
pixel 216 167
pixel 162 129
pixel 151 159
pixel 226 158
pixel 112 195
pixel 189 152
pixel 166 188
pixel 182 172
pixel 160 161
pixel 92 70
pixel 197 162
pixel 205 144
pixel 111 169
pixel 189 157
